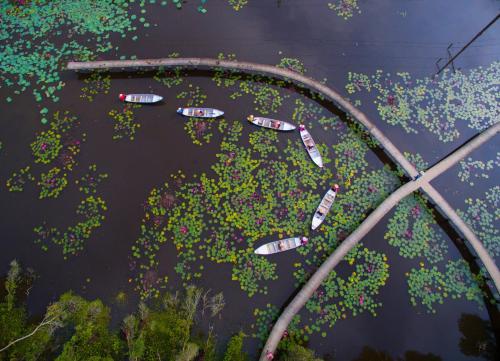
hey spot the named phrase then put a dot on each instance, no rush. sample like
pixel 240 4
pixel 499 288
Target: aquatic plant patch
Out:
pixel 90 212
pixel 345 8
pixel 52 183
pixel 96 83
pixel 89 182
pixel 483 215
pixel 413 230
pixel 340 296
pixel 46 147
pixel 125 125
pixel 471 169
pixel 237 4
pixel 72 240
pixel 18 180
pixel 57 147
pixel 438 104
pixel 252 196
pixel 430 287
pixel 75 27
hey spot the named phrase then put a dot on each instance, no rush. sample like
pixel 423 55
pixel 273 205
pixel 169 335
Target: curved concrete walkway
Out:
pixel 334 259
pixel 329 93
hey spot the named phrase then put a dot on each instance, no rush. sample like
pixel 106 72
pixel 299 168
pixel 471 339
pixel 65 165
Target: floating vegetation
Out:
pixel 476 169
pixel 251 197
pixel 48 33
pixel 193 97
pixel 201 130
pixel 429 287
pixel 439 103
pixel 345 8
pixel 89 182
pixel 125 125
pixel 237 4
pixel 413 230
pixel 58 147
pixel 72 240
pixel 17 181
pixel 97 83
pixel 340 296
pixel 46 147
pixel 90 211
pixel 483 216
pixel 306 113
pixel 426 287
pixel 52 183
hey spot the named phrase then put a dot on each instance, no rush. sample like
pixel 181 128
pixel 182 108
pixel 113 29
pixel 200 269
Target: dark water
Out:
pixel 389 35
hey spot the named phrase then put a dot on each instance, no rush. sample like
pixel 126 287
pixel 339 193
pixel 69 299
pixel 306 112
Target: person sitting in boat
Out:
pixel 277 124
pixel 200 112
pixel 281 245
pixel 303 241
pixel 302 127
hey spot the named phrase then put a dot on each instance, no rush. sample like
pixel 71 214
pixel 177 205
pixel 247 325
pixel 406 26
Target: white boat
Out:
pixel 200 112
pixel 310 146
pixel 324 207
pixel 271 123
pixel 281 245
pixel 140 98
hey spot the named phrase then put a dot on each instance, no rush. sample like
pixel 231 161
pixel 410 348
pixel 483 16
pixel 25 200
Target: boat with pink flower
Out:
pixel 310 146
pixel 140 98
pixel 324 206
pixel 281 246
pixel 271 123
pixel 200 112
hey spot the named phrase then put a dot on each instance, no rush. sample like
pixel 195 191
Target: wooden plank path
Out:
pixel 387 145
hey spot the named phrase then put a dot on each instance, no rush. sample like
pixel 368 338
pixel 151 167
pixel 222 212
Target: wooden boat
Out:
pixel 281 245
pixel 310 146
pixel 140 98
pixel 271 123
pixel 324 207
pixel 200 112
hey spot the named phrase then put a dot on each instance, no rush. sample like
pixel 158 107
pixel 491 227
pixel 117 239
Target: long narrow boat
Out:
pixel 271 123
pixel 281 245
pixel 310 146
pixel 140 98
pixel 324 207
pixel 200 112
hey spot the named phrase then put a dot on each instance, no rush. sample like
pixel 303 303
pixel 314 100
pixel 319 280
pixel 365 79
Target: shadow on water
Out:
pixel 477 340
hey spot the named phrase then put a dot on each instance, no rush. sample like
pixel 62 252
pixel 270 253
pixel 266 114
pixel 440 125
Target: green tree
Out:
pixel 92 338
pixel 234 350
